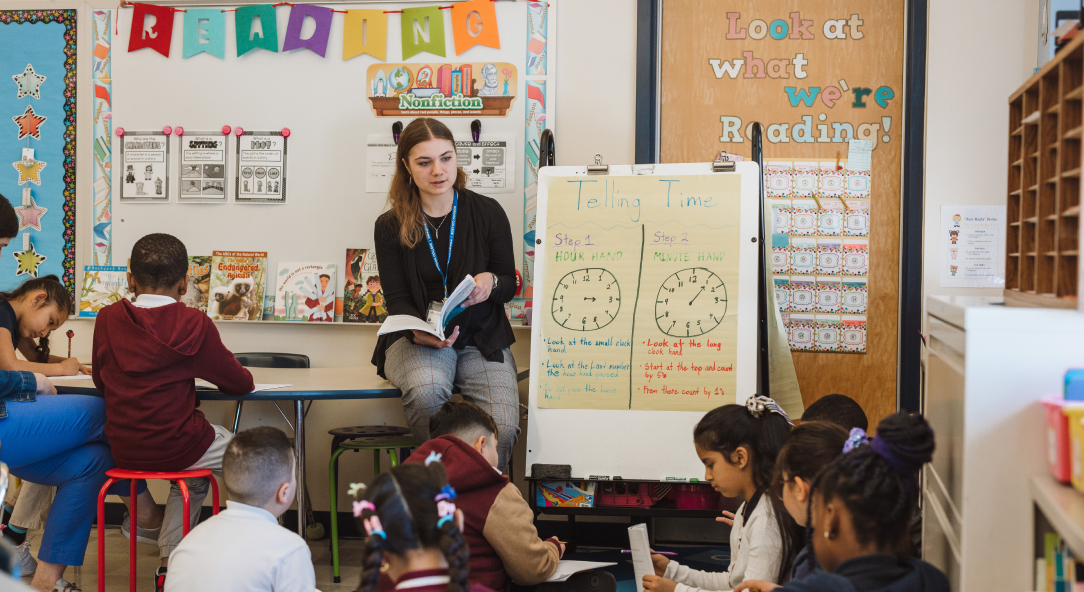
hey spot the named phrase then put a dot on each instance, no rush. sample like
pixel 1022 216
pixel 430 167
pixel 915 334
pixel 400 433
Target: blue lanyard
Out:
pixel 451 240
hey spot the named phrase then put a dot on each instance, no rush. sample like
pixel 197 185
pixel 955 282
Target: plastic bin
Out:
pixel 1075 415
pixel 1057 438
pixel 697 497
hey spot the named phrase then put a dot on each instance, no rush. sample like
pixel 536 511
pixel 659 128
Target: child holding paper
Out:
pixel 738 445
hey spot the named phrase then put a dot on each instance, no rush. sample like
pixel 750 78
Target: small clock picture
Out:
pixel 690 303
pixel 586 299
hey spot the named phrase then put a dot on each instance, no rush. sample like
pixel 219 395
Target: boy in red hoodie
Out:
pixel 147 355
pixel 504 544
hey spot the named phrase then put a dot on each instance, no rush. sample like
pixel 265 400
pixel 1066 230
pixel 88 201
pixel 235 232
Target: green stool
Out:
pixel 390 443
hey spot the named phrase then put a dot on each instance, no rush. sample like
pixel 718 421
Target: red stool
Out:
pixel 120 475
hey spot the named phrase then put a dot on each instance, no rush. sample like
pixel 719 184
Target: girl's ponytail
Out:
pixel 457 554
pixel 373 560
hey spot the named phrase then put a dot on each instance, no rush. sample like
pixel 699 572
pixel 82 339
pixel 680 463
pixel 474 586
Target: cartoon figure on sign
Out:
pixel 158 186
pixel 246 186
pixel 139 189
pixel 952 253
pixel 321 301
pixel 952 270
pixel 956 221
pixel 489 74
pixel 954 235
pixel 129 177
pixel 372 304
pixel 147 172
pixel 425 76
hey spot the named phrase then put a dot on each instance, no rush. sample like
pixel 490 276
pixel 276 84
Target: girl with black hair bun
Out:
pixel 415 531
pixel 860 513
pixel 738 445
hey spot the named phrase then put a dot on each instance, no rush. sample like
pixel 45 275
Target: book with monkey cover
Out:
pixel 237 285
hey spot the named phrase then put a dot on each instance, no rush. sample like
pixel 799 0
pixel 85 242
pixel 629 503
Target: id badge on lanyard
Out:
pixel 433 317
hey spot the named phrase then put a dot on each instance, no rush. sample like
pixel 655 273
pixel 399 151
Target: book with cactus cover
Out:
pixel 305 292
pixel 199 282
pixel 237 285
pixel 102 285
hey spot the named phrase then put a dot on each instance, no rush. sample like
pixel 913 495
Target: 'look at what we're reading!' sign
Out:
pixel 641 290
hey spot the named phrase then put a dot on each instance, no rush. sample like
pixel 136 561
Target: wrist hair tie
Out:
pixel 361 506
pixel 856 438
pixel 373 527
pixel 757 405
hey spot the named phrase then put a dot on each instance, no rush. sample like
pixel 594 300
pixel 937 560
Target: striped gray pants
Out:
pixel 427 375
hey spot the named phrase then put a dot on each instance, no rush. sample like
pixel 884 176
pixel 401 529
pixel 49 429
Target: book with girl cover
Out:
pixel 199 282
pixel 305 292
pixel 237 285
pixel 363 298
pixel 102 285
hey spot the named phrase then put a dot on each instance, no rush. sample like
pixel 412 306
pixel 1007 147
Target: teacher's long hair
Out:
pixel 403 198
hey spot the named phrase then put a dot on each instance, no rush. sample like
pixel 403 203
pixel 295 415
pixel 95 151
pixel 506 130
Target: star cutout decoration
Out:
pixel 29 83
pixel 29 171
pixel 29 261
pixel 30 216
pixel 29 123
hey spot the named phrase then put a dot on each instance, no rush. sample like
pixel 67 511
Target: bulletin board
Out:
pixel 37 109
pixel 815 76
pixel 645 314
pixel 338 121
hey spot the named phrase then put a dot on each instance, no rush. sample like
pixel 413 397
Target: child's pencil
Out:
pixel 70 334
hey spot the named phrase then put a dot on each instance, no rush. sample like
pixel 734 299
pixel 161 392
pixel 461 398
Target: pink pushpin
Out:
pixel 120 132
pixel 286 132
pixel 226 130
pixel 167 130
pixel 178 130
pixel 237 131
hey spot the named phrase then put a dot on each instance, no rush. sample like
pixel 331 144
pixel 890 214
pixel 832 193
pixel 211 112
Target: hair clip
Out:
pixel 433 457
pixel 446 493
pixel 361 506
pixel 856 438
pixel 445 508
pixel 372 527
pixel 355 488
pixel 757 405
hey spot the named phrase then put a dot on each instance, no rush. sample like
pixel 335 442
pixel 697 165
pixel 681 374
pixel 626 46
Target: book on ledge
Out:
pixel 450 309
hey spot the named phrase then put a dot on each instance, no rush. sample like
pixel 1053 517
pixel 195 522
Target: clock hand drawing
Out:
pixel 586 299
pixel 690 303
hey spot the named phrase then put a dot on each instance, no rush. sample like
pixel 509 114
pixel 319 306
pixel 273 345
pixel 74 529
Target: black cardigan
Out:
pixel 483 243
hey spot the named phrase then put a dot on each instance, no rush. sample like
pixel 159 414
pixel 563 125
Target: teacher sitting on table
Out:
pixel 435 234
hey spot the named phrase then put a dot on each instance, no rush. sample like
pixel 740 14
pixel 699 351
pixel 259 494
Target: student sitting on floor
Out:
pixel 504 544
pixel 415 530
pixel 861 508
pixel 738 445
pixel 243 548
pixel 146 357
pixel 841 410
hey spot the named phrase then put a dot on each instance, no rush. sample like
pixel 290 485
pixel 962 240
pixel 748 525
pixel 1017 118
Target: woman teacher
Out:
pixel 435 233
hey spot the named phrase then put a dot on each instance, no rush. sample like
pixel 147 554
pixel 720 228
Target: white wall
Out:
pixel 971 72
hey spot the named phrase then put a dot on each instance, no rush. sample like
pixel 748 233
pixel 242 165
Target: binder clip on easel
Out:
pixel 598 168
pixel 724 163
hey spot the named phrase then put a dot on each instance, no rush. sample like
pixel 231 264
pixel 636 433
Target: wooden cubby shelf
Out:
pixel 1046 158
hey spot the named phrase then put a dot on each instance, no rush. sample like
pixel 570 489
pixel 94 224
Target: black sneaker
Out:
pixel 160 579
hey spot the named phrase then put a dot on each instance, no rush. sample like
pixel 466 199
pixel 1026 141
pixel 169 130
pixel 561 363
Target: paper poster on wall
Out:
pixel 820 252
pixel 483 89
pixel 489 164
pixel 144 160
pixel 261 168
pixel 642 293
pixel 972 246
pixel 204 167
pixel 380 152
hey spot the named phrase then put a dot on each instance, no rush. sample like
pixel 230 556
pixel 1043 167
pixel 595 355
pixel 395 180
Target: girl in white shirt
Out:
pixel 738 445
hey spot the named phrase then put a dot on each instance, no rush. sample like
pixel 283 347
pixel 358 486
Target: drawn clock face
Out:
pixel 586 299
pixel 690 303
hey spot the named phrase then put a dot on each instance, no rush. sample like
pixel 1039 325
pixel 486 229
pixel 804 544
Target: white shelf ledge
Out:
pixel 1063 506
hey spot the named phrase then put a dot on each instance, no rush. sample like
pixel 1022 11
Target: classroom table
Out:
pixel 306 384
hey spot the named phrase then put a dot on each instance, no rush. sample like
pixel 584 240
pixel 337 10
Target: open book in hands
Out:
pixel 435 326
